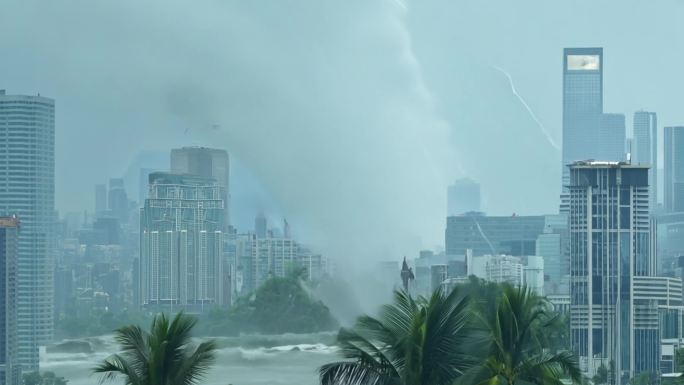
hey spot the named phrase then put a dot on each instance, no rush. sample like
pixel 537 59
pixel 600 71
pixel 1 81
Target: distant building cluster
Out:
pixel 611 259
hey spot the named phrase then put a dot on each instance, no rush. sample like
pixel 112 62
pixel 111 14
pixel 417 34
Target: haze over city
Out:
pixel 337 153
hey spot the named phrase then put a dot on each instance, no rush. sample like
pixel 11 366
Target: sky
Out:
pixel 348 117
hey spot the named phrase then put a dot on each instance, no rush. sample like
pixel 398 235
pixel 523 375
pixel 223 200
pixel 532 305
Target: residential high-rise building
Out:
pixel 10 370
pixel 27 190
pixel 512 235
pixel 260 258
pixel 142 184
pixel 100 199
pixel 611 138
pixel 673 180
pixel 610 238
pixel 463 196
pixel 645 149
pixel 206 162
pixel 498 268
pixel 582 105
pixel 181 237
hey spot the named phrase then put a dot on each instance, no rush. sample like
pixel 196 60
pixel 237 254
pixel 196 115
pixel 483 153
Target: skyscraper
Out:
pixel 118 200
pixel 260 225
pixel 27 190
pixel 645 149
pixel 582 105
pixel 463 196
pixel 512 235
pixel 611 138
pixel 100 199
pixel 610 237
pixel 10 372
pixel 674 168
pixel 181 238
pixel 206 162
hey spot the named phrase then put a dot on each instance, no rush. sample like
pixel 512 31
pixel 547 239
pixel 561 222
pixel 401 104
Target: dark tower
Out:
pixel 406 275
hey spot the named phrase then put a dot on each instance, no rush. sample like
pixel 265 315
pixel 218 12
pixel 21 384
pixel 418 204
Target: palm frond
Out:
pixel 116 366
pixel 195 366
pixel 353 373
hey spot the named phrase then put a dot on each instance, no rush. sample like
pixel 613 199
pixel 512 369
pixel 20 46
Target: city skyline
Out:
pixel 446 85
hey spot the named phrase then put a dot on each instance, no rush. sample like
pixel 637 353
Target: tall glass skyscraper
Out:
pixel 674 168
pixel 27 190
pixel 582 105
pixel 645 149
pixel 10 371
pixel 611 239
pixel 611 138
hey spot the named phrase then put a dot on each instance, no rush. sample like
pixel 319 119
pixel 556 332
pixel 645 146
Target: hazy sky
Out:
pixel 354 115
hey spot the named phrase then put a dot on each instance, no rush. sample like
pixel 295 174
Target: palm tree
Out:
pixel 413 342
pixel 162 356
pixel 515 327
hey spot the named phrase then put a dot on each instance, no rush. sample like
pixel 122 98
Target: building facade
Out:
pixel 512 235
pixel 582 105
pixel 673 181
pixel 611 138
pixel 181 236
pixel 498 269
pixel 645 149
pixel 610 236
pixel 206 162
pixel 10 370
pixel 27 190
pixel 463 196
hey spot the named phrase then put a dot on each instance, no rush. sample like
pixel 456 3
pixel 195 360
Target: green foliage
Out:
pixel 641 379
pixel 46 378
pixel 480 333
pixel 162 356
pixel 421 341
pixel 601 376
pixel 515 329
pixel 280 305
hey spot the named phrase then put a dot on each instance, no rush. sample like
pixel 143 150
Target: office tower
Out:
pixel 463 196
pixel 206 162
pixel 554 246
pixel 549 246
pixel 10 372
pixel 534 274
pixel 582 105
pixel 181 254
pixel 512 235
pixel 610 233
pixel 27 190
pixel 645 149
pixel 674 168
pixel 118 200
pixel 438 274
pixel 100 199
pixel 611 138
pixel 260 226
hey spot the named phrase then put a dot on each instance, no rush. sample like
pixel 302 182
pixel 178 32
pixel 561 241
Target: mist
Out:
pixel 356 154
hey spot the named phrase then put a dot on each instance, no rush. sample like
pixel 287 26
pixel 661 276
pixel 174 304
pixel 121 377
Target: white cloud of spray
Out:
pixel 324 102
